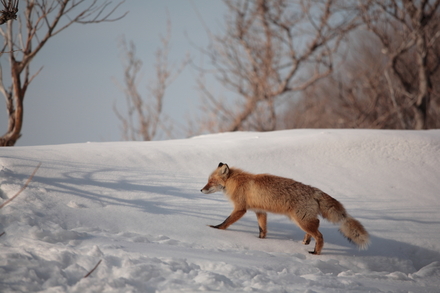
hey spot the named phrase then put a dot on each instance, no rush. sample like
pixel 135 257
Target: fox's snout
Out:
pixel 211 188
pixel 207 189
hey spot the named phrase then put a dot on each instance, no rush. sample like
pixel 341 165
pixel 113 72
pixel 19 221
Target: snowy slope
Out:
pixel 137 206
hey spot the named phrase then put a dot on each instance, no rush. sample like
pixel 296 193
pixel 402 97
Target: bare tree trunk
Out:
pixel 425 87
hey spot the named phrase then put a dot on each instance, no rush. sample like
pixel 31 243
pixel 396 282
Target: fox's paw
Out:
pixel 216 226
pixel 262 234
pixel 306 240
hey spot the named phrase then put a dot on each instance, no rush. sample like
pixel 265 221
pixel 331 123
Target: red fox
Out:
pixel 301 203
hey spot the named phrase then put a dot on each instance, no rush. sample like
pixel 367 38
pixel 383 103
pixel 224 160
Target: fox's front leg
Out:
pixel 234 217
pixel 262 223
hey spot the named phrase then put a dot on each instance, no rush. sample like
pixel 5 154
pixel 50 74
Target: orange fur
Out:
pixel 268 193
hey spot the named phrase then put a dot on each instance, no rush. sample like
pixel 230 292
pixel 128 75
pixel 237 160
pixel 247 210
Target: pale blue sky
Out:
pixel 71 100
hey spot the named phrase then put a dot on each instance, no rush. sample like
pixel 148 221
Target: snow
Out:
pixel 137 206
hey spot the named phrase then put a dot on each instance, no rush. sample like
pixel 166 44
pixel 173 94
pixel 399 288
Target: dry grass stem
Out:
pixel 23 188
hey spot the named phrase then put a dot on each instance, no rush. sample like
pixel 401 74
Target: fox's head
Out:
pixel 217 180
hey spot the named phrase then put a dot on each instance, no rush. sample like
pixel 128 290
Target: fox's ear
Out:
pixel 224 169
pixel 219 165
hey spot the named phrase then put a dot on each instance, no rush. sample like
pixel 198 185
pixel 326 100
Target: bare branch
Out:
pixel 22 188
pixel 393 99
pixel 94 268
pixel 9 12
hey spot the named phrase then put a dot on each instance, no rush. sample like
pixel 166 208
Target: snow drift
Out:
pixel 137 207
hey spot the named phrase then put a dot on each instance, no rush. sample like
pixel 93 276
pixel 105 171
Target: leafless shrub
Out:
pixel 145 119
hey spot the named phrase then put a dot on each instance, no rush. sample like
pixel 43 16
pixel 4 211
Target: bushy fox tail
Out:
pixel 352 229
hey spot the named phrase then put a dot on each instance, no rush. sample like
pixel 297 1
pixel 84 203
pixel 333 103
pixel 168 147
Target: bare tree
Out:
pixel 271 49
pixel 415 26
pixel 145 119
pixel 385 81
pixel 40 21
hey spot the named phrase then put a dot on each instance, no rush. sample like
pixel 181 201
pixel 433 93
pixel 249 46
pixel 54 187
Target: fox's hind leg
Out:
pixel 307 239
pixel 310 226
pixel 262 223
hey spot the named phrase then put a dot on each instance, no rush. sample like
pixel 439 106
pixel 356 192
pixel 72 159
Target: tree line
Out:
pixel 316 64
